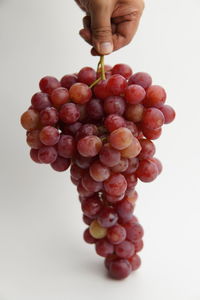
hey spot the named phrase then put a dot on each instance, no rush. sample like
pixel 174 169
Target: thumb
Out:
pixel 101 29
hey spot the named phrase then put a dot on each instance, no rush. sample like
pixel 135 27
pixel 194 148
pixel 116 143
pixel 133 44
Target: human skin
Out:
pixel 110 24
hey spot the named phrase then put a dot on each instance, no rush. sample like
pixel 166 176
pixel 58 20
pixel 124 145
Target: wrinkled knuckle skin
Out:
pixel 102 32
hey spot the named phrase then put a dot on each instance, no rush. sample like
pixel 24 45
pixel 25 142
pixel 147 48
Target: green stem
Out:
pixel 103 76
pixel 95 82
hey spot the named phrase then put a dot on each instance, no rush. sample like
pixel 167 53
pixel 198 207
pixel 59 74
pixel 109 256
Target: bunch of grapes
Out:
pixel 101 124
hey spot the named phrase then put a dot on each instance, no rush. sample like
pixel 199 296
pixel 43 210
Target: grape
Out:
pixel 169 113
pixel 107 217
pixel 88 238
pixel 131 196
pixel 134 94
pixel 33 139
pixel 138 244
pixel 122 69
pixel 114 199
pixel 49 136
pixel 147 170
pixel 87 220
pixel 104 248
pixel 143 79
pixel 109 259
pixel 95 109
pixel 34 156
pixel 89 146
pixel 121 166
pixel 68 80
pixel 89 184
pixel 83 192
pixel 152 134
pixel 73 128
pixel 47 155
pixel 125 250
pixel 116 234
pixel 30 119
pixel 148 149
pixel 40 101
pixel 134 231
pixel 91 206
pixel 59 97
pixel 108 156
pixel 116 84
pixel 74 181
pixel 66 146
pixel 115 185
pixel 85 130
pixel 134 112
pixel 131 180
pixel 120 268
pixel 121 138
pixel 49 116
pixel 114 105
pixel 97 231
pixel 100 90
pixel 132 150
pixel 76 172
pixel 125 210
pixel 158 164
pixel 69 113
pixel 113 122
pixel 48 84
pixel 133 128
pixel 155 96
pixel 153 118
pixel 135 262
pixel 133 164
pixel 80 93
pixel 87 75
pixel 83 162
pixel 61 164
pixel 99 172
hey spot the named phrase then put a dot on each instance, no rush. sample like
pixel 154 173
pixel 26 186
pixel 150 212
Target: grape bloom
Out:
pixel 100 125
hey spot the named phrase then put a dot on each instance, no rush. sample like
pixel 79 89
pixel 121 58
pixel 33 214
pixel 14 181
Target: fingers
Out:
pixel 101 27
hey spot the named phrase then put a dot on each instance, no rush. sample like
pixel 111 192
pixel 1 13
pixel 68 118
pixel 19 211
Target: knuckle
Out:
pixel 102 31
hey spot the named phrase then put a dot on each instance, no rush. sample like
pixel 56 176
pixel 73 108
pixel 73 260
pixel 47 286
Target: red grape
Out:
pixel 89 184
pixel 155 96
pixel 135 262
pixel 47 155
pixel 143 79
pixel 114 199
pixel 49 136
pixel 76 172
pixel 133 164
pixel 49 116
pixel 125 250
pixel 116 234
pixel 123 70
pixel 115 185
pixel 104 248
pixel 88 238
pixel 107 217
pixel 148 149
pixel 34 156
pixel 114 105
pixel 125 210
pixel 69 113
pixel 158 164
pixel 131 180
pixel 147 170
pixel 87 75
pixel 100 90
pixel 89 146
pixel 134 231
pixel 48 84
pixel 68 80
pixel 169 113
pixel 134 94
pixel 95 109
pixel 66 146
pixel 134 112
pixel 138 245
pixel 153 118
pixel 121 166
pixel 116 84
pixel 99 172
pixel 33 139
pixel 113 122
pixel 61 164
pixel 80 93
pixel 30 119
pixel 121 138
pixel 108 156
pixel 152 134
pixel 59 97
pixel 91 206
pixel 132 150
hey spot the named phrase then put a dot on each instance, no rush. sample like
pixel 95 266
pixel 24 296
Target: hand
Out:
pixel 110 24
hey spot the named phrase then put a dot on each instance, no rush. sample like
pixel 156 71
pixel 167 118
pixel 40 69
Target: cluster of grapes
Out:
pixel 103 128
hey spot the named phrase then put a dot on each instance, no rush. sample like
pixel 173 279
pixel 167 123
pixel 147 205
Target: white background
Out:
pixel 42 254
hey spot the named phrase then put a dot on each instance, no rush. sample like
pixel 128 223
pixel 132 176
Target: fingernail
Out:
pixel 106 48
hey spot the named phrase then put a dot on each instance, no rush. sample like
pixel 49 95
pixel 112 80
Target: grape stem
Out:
pixel 103 76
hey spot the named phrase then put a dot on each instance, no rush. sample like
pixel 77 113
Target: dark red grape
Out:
pixel 104 248
pixel 120 268
pixel 108 156
pixel 89 146
pixel 169 113
pixel 134 231
pixel 49 136
pixel 33 139
pixel 95 109
pixel 134 94
pixel 113 122
pixel 34 156
pixel 116 84
pixel 153 118
pixel 147 170
pixel 125 250
pixel 115 185
pixel 87 75
pixel 143 79
pixel 155 96
pixel 66 146
pixel 148 149
pixel 69 113
pixel 107 217
pixel 61 164
pixel 68 80
pixel 114 105
pixel 88 238
pixel 47 155
pixel 49 116
pixel 135 262
pixel 91 185
pixel 48 84
pixel 116 234
pixel 91 206
pixel 122 69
